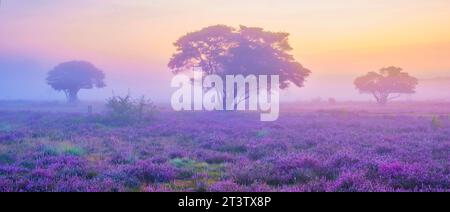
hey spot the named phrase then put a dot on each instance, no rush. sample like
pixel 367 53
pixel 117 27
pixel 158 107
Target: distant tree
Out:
pixel 332 101
pixel 71 77
pixel 223 50
pixel 387 82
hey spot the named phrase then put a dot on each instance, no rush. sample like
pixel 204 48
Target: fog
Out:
pixel 24 79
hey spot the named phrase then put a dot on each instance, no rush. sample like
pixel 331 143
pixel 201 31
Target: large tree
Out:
pixel 223 50
pixel 387 84
pixel 71 77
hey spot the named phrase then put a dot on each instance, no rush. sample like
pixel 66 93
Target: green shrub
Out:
pixel 73 151
pixel 126 110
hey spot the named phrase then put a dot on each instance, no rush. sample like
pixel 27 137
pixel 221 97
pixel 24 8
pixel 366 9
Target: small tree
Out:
pixel 71 77
pixel 387 82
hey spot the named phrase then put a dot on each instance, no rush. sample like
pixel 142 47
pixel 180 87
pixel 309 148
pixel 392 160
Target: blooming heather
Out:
pixel 220 151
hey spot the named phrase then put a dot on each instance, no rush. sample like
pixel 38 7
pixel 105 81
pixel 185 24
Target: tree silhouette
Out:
pixel 385 83
pixel 71 77
pixel 224 50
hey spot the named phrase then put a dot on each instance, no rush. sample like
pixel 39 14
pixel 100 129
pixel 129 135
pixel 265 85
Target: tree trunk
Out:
pixel 72 95
pixel 382 98
pixel 383 101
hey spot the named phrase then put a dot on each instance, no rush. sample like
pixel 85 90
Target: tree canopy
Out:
pixel 224 50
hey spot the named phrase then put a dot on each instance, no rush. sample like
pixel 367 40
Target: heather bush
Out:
pixel 265 148
pixel 413 176
pixel 225 186
pixel 213 157
pixel 12 171
pixel 157 188
pixel 278 171
pixel 293 169
pixel 149 172
pixel 259 187
pixel 319 185
pixel 42 180
pixel 352 182
pixel 121 177
pixel 248 173
pixel 177 154
pixel 120 159
pixel 77 184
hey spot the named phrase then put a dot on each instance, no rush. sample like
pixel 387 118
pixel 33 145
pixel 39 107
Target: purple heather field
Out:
pixel 340 147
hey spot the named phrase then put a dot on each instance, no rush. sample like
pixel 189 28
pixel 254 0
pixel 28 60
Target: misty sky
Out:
pixel 131 40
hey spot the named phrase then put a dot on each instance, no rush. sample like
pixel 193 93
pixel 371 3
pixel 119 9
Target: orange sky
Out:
pixel 331 37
